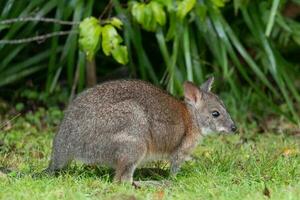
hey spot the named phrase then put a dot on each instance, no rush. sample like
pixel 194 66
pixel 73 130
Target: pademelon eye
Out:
pixel 215 113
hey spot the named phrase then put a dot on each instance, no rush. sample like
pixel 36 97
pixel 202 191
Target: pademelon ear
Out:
pixel 206 86
pixel 192 93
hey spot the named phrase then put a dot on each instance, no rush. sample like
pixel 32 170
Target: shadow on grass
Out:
pixel 148 173
pixel 5 170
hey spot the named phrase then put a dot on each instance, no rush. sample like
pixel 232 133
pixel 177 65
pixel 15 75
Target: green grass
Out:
pixel 224 167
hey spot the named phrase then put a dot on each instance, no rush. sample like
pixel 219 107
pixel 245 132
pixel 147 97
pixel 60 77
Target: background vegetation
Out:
pixel 251 47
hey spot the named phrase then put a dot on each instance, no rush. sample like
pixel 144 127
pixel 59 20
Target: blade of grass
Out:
pixel 7 9
pixel 10 57
pixel 231 35
pixel 216 17
pixel 273 12
pixel 174 56
pixel 197 67
pixel 219 51
pixel 187 52
pixel 17 76
pixel 81 64
pixel 244 73
pixel 166 57
pixel 28 63
pixel 15 29
pixel 71 43
pixel 257 28
pixel 54 44
pixel 70 47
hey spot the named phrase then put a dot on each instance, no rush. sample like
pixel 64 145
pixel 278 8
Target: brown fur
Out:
pixel 126 122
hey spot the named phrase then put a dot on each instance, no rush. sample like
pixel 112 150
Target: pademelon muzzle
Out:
pixel 231 129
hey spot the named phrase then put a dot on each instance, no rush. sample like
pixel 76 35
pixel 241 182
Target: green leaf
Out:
pixel 2 27
pixel 149 22
pixel 218 3
pixel 296 38
pixel 201 10
pixel 158 12
pixel 111 44
pixel 271 21
pixel 120 54
pixel 144 15
pixel 89 36
pixel 116 22
pixel 184 7
pixel 137 11
pixel 167 3
pixel 110 39
pixel 10 78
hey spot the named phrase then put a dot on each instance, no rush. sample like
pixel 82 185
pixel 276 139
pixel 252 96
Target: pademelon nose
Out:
pixel 233 128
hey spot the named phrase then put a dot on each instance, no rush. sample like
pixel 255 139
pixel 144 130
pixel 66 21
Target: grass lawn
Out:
pixel 251 166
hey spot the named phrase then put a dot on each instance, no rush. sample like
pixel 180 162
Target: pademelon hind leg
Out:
pixel 127 159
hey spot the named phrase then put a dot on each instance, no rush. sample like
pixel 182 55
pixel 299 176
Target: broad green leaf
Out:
pixel 110 39
pixel 116 22
pixel 111 44
pixel 149 22
pixel 120 54
pixel 184 7
pixel 144 15
pixel 137 11
pixel 158 12
pixel 89 36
